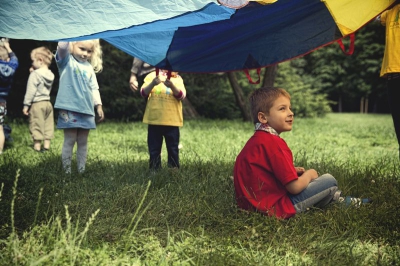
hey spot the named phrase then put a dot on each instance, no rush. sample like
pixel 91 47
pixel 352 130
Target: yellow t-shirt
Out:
pixel 162 107
pixel 391 58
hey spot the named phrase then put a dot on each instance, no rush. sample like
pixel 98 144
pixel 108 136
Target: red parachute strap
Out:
pixel 169 74
pixel 351 47
pixel 246 71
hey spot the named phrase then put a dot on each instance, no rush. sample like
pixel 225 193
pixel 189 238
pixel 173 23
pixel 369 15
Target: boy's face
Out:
pixel 36 63
pixel 280 115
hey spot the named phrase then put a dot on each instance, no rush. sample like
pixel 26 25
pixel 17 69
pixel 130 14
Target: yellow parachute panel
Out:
pixel 351 15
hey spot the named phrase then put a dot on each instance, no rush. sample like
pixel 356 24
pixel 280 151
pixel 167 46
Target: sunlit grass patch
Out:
pixel 120 213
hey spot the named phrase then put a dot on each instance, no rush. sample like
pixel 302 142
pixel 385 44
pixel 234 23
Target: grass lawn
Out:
pixel 119 213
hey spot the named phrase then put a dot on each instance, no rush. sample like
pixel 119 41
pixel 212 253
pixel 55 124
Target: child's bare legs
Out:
pixel 46 144
pixel 2 139
pixel 70 136
pixel 80 136
pixel 37 145
pixel 81 152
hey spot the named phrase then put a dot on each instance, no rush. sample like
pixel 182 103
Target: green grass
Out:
pixel 118 213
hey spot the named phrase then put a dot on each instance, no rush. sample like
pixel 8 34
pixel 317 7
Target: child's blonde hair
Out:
pixel 96 59
pixel 261 100
pixel 42 53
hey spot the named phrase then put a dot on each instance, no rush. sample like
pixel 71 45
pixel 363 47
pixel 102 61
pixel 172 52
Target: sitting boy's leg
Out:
pixel 319 193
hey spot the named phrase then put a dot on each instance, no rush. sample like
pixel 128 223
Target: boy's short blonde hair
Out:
pixel 42 53
pixel 261 100
pixel 3 53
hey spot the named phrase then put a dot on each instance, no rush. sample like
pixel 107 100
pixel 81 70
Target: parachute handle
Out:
pixel 246 71
pixel 351 47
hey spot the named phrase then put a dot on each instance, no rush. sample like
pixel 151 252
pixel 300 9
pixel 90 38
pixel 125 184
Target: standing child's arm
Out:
pixel 145 91
pixel 62 50
pixel 31 90
pixel 12 64
pixel 178 93
pixel 98 104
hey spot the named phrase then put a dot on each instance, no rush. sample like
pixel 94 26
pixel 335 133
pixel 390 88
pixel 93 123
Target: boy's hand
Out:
pixel 300 170
pixel 100 113
pixel 25 110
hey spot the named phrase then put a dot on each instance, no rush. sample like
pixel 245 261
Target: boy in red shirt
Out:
pixel 265 178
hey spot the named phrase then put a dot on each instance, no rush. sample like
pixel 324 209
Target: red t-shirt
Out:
pixel 262 170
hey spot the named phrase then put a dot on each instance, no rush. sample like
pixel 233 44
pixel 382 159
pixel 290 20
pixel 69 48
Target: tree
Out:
pixel 239 96
pixel 347 79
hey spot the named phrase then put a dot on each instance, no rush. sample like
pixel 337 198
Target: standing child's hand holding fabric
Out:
pixel 100 113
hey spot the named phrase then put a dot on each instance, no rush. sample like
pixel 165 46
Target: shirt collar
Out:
pixel 266 127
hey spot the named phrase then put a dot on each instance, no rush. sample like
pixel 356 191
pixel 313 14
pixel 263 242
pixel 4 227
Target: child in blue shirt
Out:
pixel 78 94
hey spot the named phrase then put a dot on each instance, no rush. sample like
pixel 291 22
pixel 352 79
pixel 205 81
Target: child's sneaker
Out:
pixel 352 201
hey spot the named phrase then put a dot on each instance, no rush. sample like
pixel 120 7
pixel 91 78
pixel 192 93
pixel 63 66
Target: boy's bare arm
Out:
pixel 297 186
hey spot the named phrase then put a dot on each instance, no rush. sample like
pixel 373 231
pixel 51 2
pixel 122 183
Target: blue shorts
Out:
pixel 68 119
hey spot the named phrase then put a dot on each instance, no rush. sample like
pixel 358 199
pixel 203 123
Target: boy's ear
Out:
pixel 262 118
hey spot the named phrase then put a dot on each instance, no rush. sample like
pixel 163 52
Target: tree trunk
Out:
pixel 189 112
pixel 269 76
pixel 362 105
pixel 239 96
pixel 340 103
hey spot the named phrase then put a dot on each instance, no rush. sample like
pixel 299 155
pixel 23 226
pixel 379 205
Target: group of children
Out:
pixel 265 178
pixel 77 97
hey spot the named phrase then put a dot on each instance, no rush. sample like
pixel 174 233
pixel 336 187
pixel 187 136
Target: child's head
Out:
pixel 41 56
pixel 88 50
pixel 4 54
pixel 173 73
pixel 272 105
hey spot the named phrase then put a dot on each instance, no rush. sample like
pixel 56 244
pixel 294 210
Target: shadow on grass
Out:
pixel 199 195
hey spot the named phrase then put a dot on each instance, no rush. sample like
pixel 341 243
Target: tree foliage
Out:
pixel 349 78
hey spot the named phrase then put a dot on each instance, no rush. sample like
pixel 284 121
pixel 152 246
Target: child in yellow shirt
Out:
pixel 391 62
pixel 163 115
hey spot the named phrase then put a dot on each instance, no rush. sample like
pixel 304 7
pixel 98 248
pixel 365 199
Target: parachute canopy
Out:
pixel 194 35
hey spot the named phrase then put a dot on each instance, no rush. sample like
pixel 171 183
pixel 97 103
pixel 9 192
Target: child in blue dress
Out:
pixel 78 94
